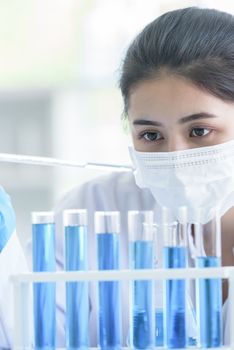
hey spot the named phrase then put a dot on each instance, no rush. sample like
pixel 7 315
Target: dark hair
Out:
pixel 194 43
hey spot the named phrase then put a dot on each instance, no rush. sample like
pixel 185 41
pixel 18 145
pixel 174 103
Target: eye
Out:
pixel 199 132
pixel 151 136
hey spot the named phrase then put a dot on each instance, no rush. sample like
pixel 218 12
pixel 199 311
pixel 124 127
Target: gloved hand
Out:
pixel 7 218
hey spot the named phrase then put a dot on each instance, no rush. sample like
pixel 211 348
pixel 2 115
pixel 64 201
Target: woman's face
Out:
pixel 171 114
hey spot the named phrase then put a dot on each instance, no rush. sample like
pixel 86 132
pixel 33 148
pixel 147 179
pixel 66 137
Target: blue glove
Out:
pixel 7 218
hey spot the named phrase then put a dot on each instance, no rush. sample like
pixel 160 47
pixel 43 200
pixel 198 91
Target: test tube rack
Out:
pixel 23 282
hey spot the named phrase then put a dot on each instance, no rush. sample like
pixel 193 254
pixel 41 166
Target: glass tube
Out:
pixel 141 256
pixel 175 256
pixel 43 232
pixel 209 291
pixel 159 332
pixel 77 294
pixel 158 287
pixel 107 228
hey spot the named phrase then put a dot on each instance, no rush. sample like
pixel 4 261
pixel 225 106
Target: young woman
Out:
pixel 177 83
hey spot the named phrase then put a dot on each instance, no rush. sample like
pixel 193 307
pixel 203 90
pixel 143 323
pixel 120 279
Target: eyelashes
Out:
pixel 200 132
pixel 156 136
pixel 151 136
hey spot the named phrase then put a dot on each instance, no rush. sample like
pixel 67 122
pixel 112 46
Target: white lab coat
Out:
pixel 116 191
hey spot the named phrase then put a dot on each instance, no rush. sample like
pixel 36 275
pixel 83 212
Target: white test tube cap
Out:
pixel 141 225
pixel 166 216
pixel 42 217
pixel 182 215
pixel 107 222
pixel 75 217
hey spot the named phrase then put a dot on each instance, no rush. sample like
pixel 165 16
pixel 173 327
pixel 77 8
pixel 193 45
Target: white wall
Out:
pixel 59 64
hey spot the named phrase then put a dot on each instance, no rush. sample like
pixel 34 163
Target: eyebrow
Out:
pixel 183 120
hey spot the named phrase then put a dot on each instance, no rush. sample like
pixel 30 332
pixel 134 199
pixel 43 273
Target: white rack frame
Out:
pixel 22 282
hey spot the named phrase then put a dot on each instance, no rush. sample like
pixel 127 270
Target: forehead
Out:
pixel 172 96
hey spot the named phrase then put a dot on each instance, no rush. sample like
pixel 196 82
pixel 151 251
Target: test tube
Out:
pixel 107 228
pixel 43 232
pixel 77 295
pixel 158 286
pixel 209 291
pixel 159 332
pixel 141 256
pixel 175 256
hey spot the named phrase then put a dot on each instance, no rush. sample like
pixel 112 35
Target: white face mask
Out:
pixel 196 178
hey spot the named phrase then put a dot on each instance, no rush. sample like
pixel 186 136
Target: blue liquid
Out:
pixel 142 313
pixel 77 294
pixel 175 320
pixel 159 328
pixel 210 305
pixel 109 293
pixel 44 293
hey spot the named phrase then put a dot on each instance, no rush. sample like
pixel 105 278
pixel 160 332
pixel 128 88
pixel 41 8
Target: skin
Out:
pixel 170 114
